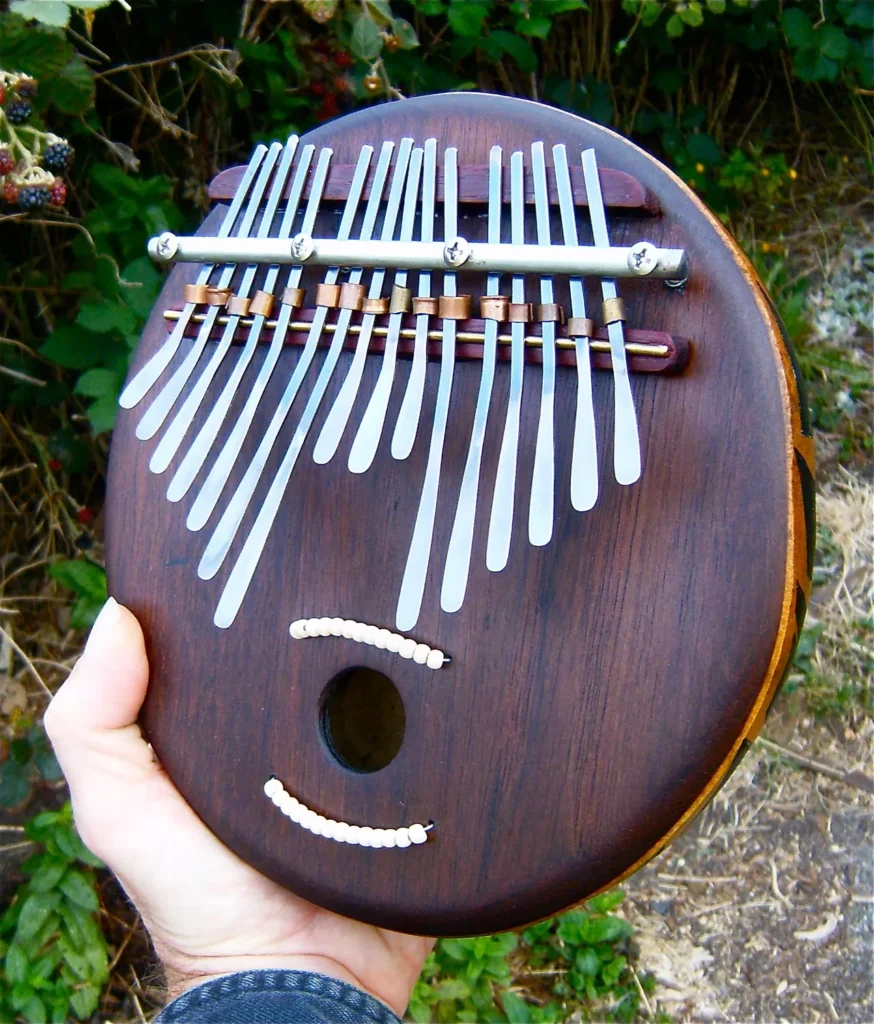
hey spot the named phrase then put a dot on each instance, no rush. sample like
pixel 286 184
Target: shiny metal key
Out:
pixel 178 427
pixel 244 568
pixel 142 382
pixel 407 424
pixel 416 571
pixel 165 400
pixel 504 495
pixel 584 460
pixel 626 440
pixel 335 423
pixel 363 450
pixel 218 476
pixel 541 509
pixel 203 442
pixel 457 568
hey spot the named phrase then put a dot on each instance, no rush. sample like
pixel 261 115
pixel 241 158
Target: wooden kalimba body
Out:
pixel 471 534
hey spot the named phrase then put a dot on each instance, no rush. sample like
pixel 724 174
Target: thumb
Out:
pixel 91 720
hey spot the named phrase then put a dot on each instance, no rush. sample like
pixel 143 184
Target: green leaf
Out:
pixel 716 6
pixel 81 576
pixel 405 34
pixel 34 912
pixel 604 902
pixel 587 962
pixel 34 1010
pixel 37 50
pixel 102 414
pixel 674 26
pixel 72 89
pixel 47 876
pixel 366 40
pixel 79 890
pixel 105 316
pixel 15 784
pixel 516 1009
pixel 703 149
pixel 605 929
pixel 813 66
pixel 83 1002
pixel 519 49
pixel 692 14
pixel 15 963
pixel 96 383
pixel 797 28
pixel 451 988
pixel 833 42
pixel 466 16
pixel 72 346
pixel 538 27
pixel 49 12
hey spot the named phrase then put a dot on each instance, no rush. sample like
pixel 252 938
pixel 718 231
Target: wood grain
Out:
pixel 598 685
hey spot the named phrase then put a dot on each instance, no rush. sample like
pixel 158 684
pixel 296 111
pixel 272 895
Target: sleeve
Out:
pixel 276 997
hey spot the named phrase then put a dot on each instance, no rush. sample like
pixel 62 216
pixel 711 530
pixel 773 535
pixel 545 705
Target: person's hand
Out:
pixel 208 913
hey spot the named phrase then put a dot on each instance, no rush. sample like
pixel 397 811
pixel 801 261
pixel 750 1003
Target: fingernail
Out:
pixel 106 621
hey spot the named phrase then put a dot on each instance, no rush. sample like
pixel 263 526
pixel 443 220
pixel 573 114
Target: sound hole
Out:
pixel 362 719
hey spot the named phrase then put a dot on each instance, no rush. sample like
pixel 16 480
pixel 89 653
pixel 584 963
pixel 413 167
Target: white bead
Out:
pixel 420 654
pixel 376 839
pixel 296 811
pixel 349 628
pixel 329 829
pixel 309 627
pixel 352 837
pixel 341 832
pixel 272 786
pixel 318 828
pixel 325 624
pixel 336 627
pixel 402 837
pixel 317 627
pixel 370 635
pixel 365 836
pixel 418 834
pixel 394 643
pixel 307 817
pixel 277 797
pixel 407 648
pixel 358 633
pixel 389 840
pixel 435 659
pixel 285 800
pixel 297 629
pixel 382 638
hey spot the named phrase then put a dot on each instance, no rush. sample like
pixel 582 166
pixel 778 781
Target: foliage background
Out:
pixel 763 106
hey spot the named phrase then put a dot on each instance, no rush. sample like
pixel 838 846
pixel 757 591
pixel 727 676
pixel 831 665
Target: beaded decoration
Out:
pixel 361 633
pixel 341 831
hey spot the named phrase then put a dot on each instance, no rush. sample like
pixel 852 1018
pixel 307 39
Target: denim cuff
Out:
pixel 276 997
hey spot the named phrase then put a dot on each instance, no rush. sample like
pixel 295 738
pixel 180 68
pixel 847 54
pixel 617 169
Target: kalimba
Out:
pixel 471 534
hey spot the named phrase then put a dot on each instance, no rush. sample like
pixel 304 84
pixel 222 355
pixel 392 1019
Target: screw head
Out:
pixel 456 252
pixel 301 247
pixel 166 245
pixel 642 259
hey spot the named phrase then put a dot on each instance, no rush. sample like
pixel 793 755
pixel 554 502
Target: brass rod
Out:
pixel 532 340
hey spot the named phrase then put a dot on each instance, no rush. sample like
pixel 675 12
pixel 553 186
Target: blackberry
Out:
pixel 10 191
pixel 32 197
pixel 57 155
pixel 58 193
pixel 7 161
pixel 18 111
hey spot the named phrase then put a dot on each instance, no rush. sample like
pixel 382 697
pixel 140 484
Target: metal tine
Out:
pixel 541 508
pixel 164 401
pixel 457 568
pixel 366 441
pixel 217 477
pixel 176 431
pixel 503 498
pixel 416 571
pixel 140 385
pixel 338 417
pixel 244 568
pixel 201 445
pixel 411 407
pixel 584 461
pixel 626 440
